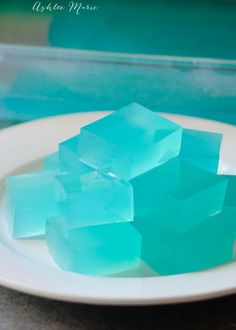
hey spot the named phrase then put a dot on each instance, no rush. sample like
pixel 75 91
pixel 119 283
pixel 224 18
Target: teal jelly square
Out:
pixel 177 195
pixel 230 196
pixel 207 244
pixel 201 149
pixel 94 250
pixel 92 198
pixel 51 162
pixel 129 142
pixel 68 156
pixel 31 199
pixel 228 213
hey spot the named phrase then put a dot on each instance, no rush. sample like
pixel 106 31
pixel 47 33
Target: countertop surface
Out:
pixel 23 312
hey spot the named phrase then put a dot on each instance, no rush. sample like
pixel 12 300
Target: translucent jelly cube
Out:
pixel 94 250
pixel 92 198
pixel 230 196
pixel 201 149
pixel 68 156
pixel 31 199
pixel 228 213
pixel 177 195
pixel 205 245
pixel 129 141
pixel 51 162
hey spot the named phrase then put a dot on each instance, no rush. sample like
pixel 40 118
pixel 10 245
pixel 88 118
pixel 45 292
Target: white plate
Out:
pixel 25 265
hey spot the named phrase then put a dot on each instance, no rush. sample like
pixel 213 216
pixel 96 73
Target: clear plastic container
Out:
pixel 37 82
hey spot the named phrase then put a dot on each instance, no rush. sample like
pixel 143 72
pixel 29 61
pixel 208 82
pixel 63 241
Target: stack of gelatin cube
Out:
pixel 132 186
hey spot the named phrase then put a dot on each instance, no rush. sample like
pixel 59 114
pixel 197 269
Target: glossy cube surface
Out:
pixel 31 199
pixel 68 156
pixel 201 149
pixel 206 245
pixel 129 142
pixel 228 213
pixel 92 198
pixel 177 195
pixel 51 162
pixel 94 250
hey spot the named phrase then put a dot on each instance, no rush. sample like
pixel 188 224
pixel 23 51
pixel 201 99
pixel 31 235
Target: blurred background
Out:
pixel 198 28
pixel 180 57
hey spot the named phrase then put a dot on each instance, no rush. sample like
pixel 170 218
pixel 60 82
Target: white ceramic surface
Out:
pixel 26 265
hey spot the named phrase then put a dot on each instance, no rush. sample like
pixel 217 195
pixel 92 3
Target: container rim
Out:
pixel 83 55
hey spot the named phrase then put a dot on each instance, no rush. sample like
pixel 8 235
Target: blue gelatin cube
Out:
pixel 201 149
pixel 69 157
pixel 177 195
pixel 228 213
pixel 94 250
pixel 51 162
pixel 206 245
pixel 31 199
pixel 230 196
pixel 92 198
pixel 129 142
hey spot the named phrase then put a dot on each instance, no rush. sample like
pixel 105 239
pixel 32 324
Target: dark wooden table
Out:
pixel 23 312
